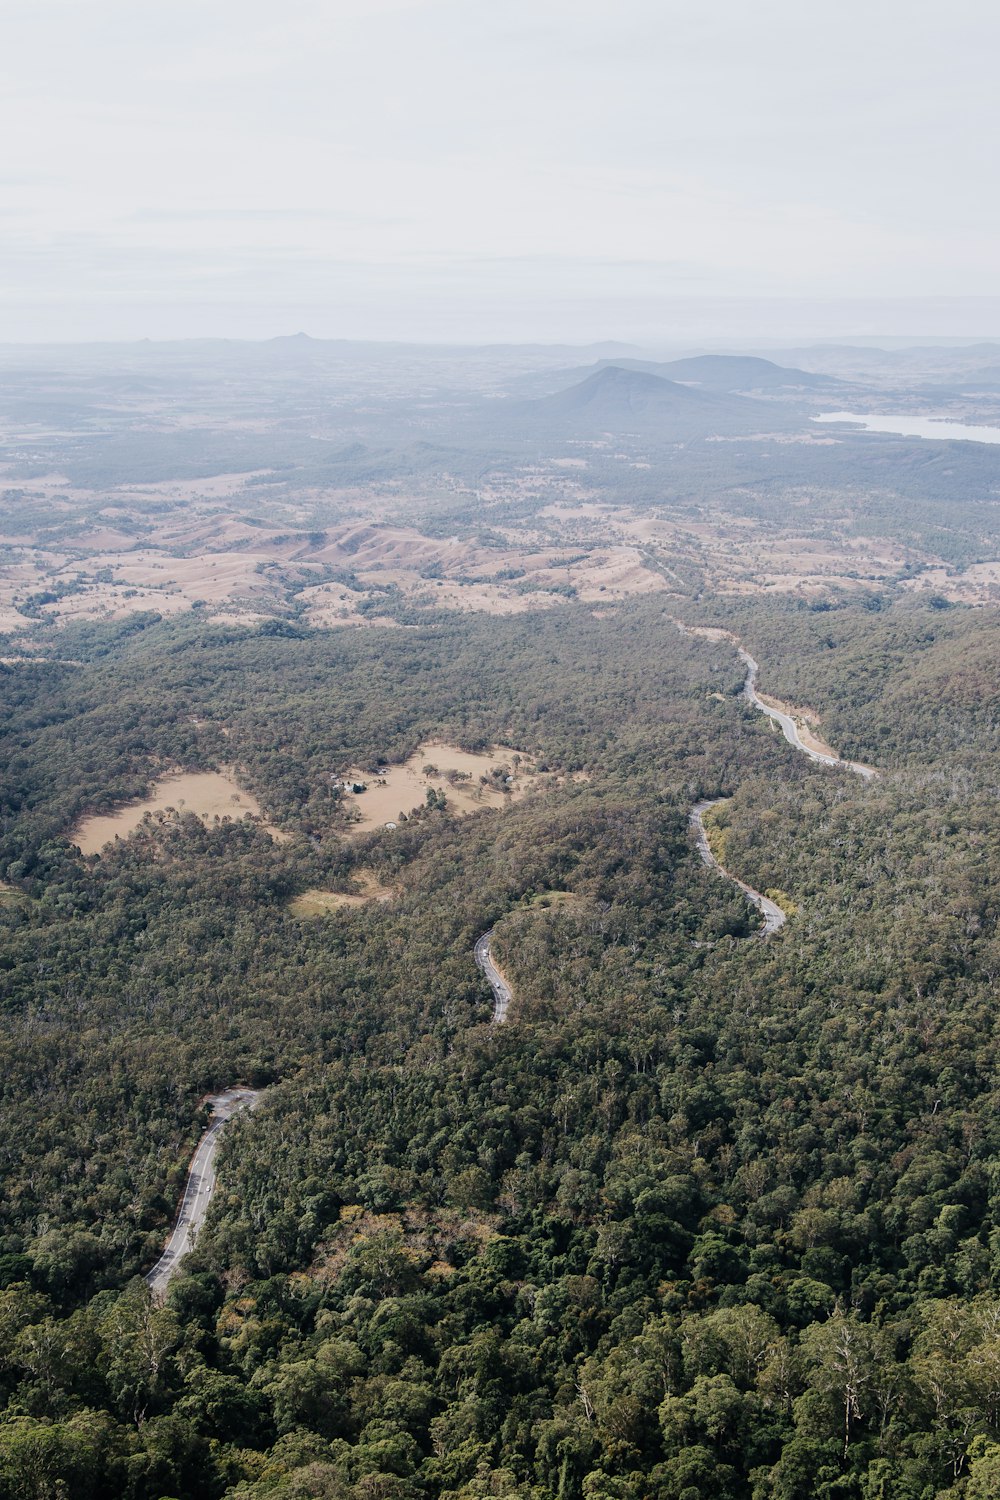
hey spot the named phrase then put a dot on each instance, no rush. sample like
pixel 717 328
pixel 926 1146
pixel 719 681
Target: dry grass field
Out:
pixel 207 794
pixel 439 768
pixel 213 545
pixel 317 903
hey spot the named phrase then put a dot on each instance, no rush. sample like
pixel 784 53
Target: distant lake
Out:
pixel 922 427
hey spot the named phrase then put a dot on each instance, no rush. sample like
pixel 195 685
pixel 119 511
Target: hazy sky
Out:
pixel 497 168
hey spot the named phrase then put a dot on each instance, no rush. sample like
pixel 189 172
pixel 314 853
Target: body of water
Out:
pixel 922 427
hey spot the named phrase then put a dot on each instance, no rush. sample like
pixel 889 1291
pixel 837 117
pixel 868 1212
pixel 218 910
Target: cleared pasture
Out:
pixel 207 794
pixel 439 768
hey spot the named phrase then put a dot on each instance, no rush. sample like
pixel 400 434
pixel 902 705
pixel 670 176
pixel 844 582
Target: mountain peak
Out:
pixel 616 398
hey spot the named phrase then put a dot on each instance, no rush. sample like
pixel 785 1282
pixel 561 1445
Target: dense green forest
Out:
pixel 709 1216
pixel 908 685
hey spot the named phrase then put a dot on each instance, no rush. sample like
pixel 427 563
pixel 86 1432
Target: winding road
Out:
pixel 501 989
pixel 776 711
pixel 773 916
pixel 199 1187
pixel 788 726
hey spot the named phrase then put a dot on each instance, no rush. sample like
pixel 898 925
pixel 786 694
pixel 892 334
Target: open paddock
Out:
pixel 319 903
pixel 207 794
pixel 440 768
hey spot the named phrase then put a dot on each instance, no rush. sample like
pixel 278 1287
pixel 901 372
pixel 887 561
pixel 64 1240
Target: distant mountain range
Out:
pixel 305 343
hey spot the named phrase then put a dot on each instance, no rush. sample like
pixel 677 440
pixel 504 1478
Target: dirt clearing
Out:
pixel 468 782
pixel 317 903
pixel 207 794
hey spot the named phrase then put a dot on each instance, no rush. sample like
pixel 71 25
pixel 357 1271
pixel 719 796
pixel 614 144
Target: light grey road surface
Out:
pixel 788 726
pixel 501 989
pixel 774 917
pixel 785 722
pixel 199 1187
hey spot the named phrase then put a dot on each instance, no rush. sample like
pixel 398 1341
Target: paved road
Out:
pixel 199 1187
pixel 774 917
pixel 501 989
pixel 788 726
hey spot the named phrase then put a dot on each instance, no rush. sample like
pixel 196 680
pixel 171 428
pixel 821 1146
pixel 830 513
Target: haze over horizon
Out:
pixel 426 170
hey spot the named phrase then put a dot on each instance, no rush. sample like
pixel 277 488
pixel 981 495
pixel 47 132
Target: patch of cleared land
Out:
pixel 177 546
pixel 210 558
pixel 457 773
pixel 739 554
pixel 207 794
pixel 558 901
pixel 317 903
pixel 979 583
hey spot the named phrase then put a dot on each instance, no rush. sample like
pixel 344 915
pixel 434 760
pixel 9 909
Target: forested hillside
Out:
pixel 909 685
pixel 709 1216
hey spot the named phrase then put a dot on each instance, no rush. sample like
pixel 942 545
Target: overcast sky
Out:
pixel 489 169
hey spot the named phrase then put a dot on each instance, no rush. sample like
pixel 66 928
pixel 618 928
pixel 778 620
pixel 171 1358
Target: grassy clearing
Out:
pixel 469 782
pixel 555 900
pixel 317 903
pixel 207 794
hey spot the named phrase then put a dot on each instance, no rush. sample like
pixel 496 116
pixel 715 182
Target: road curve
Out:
pixel 785 721
pixel 501 989
pixel 773 916
pixel 199 1187
pixel 788 726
